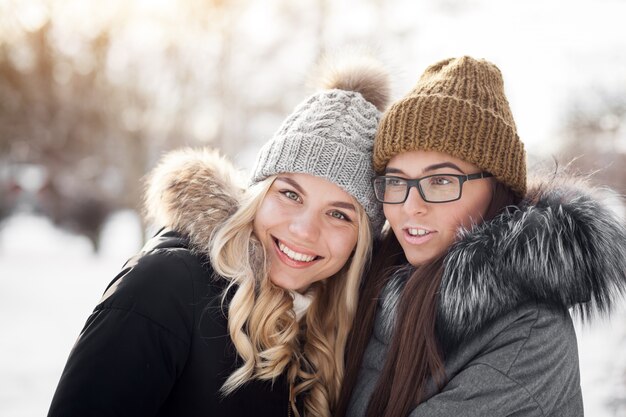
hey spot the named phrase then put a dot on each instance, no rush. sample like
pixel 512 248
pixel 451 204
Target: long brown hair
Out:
pixel 414 356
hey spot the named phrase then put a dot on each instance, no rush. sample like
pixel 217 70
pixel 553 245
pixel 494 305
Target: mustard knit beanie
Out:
pixel 457 107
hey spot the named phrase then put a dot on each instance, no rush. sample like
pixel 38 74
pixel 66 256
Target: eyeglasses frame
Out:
pixel 415 182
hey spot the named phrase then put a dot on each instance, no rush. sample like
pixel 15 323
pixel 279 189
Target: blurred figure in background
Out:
pixel 82 210
pixel 9 196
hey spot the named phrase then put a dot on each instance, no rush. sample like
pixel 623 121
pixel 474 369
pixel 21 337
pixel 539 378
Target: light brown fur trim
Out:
pixel 192 191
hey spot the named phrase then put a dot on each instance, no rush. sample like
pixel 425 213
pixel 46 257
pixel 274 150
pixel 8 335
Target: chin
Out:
pixel 284 283
pixel 417 259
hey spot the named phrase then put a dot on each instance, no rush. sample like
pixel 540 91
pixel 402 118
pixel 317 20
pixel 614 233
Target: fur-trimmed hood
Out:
pixel 563 247
pixel 193 191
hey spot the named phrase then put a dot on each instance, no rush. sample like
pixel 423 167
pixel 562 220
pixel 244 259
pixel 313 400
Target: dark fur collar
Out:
pixel 563 247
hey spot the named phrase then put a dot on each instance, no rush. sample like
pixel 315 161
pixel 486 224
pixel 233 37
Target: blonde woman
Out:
pixel 242 305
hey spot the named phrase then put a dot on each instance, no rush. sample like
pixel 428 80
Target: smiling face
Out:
pixel 426 230
pixel 309 228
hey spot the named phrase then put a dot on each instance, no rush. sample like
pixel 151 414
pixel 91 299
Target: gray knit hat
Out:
pixel 331 134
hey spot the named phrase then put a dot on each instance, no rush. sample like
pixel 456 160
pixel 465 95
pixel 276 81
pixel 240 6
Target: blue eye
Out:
pixel 339 215
pixel 290 195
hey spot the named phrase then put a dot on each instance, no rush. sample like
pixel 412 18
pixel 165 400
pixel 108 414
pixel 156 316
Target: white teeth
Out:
pixel 418 232
pixel 295 255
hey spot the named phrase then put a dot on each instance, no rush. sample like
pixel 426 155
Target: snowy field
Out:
pixel 50 281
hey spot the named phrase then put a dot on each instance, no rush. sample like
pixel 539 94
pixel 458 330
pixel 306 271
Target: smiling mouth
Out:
pixel 418 235
pixel 418 231
pixel 292 255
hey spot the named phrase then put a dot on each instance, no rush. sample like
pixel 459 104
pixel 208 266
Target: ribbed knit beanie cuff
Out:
pixel 349 168
pixel 458 107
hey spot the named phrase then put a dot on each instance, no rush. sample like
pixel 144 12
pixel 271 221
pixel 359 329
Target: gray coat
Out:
pixel 503 308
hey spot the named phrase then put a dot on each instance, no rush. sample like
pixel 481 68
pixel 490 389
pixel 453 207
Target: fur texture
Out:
pixel 192 191
pixel 390 298
pixel 562 247
pixel 360 74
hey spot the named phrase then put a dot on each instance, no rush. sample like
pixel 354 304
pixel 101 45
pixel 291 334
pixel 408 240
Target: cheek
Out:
pixel 265 216
pixel 468 214
pixel 392 214
pixel 342 244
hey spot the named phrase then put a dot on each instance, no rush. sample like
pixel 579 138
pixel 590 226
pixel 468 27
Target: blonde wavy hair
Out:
pixel 261 320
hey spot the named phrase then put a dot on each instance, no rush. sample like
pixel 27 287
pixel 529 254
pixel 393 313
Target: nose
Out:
pixel 305 227
pixel 414 203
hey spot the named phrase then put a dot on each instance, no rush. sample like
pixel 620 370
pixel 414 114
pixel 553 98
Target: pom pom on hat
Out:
pixel 363 75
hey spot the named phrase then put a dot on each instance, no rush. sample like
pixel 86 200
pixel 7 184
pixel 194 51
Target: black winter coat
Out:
pixel 157 343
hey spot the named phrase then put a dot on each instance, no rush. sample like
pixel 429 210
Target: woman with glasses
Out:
pixel 464 311
pixel 242 305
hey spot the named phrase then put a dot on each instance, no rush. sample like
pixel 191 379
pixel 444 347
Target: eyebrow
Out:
pixel 342 204
pixel 294 184
pixel 390 170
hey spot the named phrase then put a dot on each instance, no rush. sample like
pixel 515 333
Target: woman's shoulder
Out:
pixel 530 330
pixel 542 354
pixel 164 277
pixel 529 351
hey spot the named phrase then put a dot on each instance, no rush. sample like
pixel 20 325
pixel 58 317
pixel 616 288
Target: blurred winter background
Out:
pixel 93 92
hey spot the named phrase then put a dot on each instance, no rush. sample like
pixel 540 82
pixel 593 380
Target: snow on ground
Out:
pixel 50 281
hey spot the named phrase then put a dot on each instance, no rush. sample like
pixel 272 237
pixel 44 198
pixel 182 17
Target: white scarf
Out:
pixel 301 302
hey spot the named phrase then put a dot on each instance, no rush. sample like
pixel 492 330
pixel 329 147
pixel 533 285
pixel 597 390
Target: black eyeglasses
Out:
pixel 438 188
